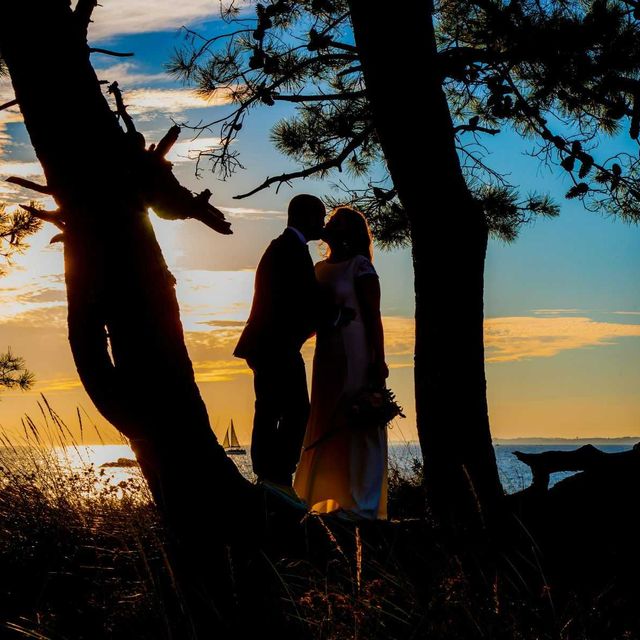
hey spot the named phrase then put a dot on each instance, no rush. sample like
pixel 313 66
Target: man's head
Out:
pixel 306 213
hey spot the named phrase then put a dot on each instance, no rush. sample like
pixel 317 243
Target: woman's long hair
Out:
pixel 358 236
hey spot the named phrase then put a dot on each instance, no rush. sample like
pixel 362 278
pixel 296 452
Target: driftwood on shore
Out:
pixel 587 458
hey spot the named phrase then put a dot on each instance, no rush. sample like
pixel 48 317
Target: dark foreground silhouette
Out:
pixel 86 560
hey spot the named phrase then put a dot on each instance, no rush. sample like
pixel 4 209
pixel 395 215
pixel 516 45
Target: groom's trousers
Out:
pixel 280 418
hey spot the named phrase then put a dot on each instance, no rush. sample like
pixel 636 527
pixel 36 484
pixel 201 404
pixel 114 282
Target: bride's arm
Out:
pixel 368 292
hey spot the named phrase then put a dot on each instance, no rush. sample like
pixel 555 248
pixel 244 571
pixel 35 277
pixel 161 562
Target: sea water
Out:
pixel 514 475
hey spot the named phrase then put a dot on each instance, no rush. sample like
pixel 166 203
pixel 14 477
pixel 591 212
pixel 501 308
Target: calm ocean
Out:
pixel 514 474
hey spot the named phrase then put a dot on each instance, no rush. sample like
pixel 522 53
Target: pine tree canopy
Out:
pixel 13 374
pixel 563 75
pixel 15 227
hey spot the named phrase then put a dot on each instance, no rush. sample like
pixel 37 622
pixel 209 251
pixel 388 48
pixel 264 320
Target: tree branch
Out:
pixel 28 184
pixel 168 140
pixel 108 52
pixel 54 217
pixel 167 197
pixel 6 105
pixel 334 163
pixel 470 127
pixel 343 46
pixel 346 72
pixel 121 108
pixel 320 97
pixel 451 61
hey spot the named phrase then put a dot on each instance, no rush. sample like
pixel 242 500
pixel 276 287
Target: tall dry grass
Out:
pixel 83 556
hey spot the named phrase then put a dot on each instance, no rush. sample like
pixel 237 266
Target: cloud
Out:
pixel 516 338
pixel 45 315
pixel 223 323
pixel 128 74
pixel 42 295
pixel 121 17
pixel 21 169
pixel 253 214
pixel 190 149
pixel 511 339
pixel 220 370
pixel 556 312
pixel 148 102
pixel 57 384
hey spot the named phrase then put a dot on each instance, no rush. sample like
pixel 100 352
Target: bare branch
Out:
pixel 6 105
pixel 346 72
pixel 321 97
pixel 470 127
pixel 343 46
pixel 108 52
pixel 334 163
pixel 54 217
pixel 168 140
pixel 168 198
pixel 460 56
pixel 121 108
pixel 28 184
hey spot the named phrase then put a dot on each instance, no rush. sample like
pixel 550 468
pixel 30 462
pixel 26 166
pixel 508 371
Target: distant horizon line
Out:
pixel 515 440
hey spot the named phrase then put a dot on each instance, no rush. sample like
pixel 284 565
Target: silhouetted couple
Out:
pixel 336 467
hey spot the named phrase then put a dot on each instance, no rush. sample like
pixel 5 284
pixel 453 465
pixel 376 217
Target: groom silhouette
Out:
pixel 285 312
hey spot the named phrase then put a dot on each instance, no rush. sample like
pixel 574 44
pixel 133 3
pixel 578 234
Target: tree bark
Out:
pixel 449 239
pixel 123 318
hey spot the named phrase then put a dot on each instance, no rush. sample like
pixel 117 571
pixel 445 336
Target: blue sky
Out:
pixel 562 302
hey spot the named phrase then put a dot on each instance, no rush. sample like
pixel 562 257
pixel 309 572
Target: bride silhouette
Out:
pixel 342 467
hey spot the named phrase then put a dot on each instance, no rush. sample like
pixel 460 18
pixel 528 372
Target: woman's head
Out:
pixel 347 234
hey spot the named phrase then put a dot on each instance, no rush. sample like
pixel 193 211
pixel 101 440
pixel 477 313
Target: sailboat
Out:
pixel 231 444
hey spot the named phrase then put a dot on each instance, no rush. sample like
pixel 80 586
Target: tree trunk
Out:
pixel 449 239
pixel 123 317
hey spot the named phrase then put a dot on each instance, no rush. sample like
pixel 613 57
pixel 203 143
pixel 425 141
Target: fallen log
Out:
pixel 587 458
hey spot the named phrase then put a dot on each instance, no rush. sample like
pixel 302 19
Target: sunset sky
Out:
pixel 562 303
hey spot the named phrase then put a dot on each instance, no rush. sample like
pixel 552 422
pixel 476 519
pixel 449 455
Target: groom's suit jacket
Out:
pixel 286 302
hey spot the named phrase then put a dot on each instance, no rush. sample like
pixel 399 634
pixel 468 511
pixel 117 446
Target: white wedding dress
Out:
pixel 348 467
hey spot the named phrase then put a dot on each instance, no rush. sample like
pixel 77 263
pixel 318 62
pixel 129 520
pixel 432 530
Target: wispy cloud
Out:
pixel 190 149
pixel 521 337
pixel 149 102
pixel 556 312
pixel 128 74
pixel 8 168
pixel 252 213
pixel 21 169
pixel 57 384
pixel 46 315
pixel 121 17
pixel 220 370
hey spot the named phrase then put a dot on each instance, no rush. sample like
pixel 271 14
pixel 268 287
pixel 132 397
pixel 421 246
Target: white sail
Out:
pixel 232 435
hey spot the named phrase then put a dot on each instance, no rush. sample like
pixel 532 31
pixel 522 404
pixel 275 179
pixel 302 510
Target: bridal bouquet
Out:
pixel 373 407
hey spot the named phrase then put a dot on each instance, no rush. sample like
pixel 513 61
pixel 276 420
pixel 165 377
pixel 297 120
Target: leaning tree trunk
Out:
pixel 124 324
pixel 449 239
